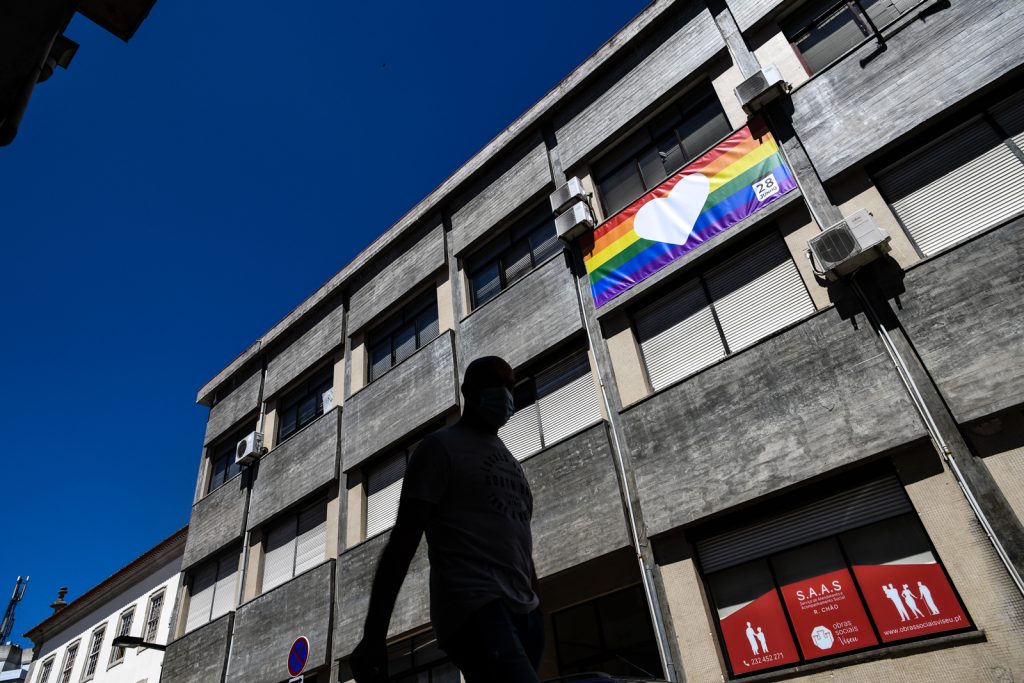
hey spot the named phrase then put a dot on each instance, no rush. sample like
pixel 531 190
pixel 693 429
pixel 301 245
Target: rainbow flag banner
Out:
pixel 733 180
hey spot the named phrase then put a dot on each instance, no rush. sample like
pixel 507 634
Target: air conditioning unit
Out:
pixel 574 221
pixel 761 88
pixel 849 244
pixel 249 449
pixel 565 195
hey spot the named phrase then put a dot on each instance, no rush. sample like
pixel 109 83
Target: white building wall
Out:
pixel 138 665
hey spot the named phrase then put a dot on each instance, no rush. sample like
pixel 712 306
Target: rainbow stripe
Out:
pixel 617 258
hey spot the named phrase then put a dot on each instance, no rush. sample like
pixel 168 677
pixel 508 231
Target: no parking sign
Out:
pixel 297 657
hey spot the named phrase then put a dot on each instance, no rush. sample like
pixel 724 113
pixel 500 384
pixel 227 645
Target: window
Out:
pixel 681 133
pixel 745 298
pixel 551 404
pixel 223 467
pixel 124 628
pixel 94 653
pixel 156 605
pixel 411 329
pixel 517 252
pixel 612 634
pixel 69 663
pixel 383 489
pixel 44 671
pixel 963 182
pixel 294 544
pixel 420 660
pixel 851 571
pixel 212 592
pixel 822 32
pixel 305 403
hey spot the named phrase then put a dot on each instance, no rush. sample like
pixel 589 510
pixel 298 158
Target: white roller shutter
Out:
pixel 383 489
pixel 201 596
pixel 870 502
pixel 567 398
pixel 521 433
pixel 311 541
pixel 279 554
pixel 757 292
pixel 678 335
pixel 955 187
pixel 224 595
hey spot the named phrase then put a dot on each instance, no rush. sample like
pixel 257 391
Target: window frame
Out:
pixel 67 667
pixel 293 518
pixel 219 450
pixel 46 668
pixel 685 113
pixel 313 386
pixel 117 654
pixel 376 464
pixel 150 618
pixel 95 650
pixel 388 329
pixel 217 561
pixel 496 252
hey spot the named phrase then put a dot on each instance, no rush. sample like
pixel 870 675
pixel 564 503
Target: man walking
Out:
pixel 469 495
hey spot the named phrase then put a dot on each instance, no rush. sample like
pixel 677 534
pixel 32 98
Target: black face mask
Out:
pixel 495 406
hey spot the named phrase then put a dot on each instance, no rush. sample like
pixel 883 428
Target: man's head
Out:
pixel 487 388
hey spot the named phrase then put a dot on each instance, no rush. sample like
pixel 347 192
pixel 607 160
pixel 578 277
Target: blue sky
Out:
pixel 168 200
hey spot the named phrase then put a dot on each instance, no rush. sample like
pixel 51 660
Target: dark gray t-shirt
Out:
pixel 478 537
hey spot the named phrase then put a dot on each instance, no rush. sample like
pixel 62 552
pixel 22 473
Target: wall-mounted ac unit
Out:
pixel 249 449
pixel 849 244
pixel 574 221
pixel 761 88
pixel 571 191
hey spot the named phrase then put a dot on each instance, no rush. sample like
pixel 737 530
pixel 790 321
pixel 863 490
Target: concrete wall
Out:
pixel 532 315
pixel 395 278
pixel 520 176
pixel 748 12
pixel 852 109
pixel 304 463
pixel 417 390
pixel 266 627
pixel 236 405
pixel 964 312
pixel 216 521
pixel 577 509
pixel 355 577
pixel 309 346
pixel 780 412
pixel 667 55
pixel 200 656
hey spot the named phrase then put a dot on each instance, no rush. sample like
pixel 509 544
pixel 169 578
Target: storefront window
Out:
pixel 853 590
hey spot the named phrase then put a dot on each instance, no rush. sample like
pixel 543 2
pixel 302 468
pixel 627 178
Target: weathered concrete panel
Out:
pixel 964 312
pixel 501 192
pixel 853 109
pixel 199 656
pixel 266 627
pixel 577 509
pixel 355 577
pixel 417 390
pixel 814 398
pixel 532 315
pixel 396 279
pixel 666 57
pixel 236 405
pixel 302 464
pixel 320 338
pixel 216 521
pixel 747 12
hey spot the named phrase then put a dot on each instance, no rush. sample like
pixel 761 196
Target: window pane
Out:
pixel 201 596
pixel 578 638
pixel 405 342
pixel 219 472
pixel 156 605
pixel 427 326
pixel 311 542
pixel 704 126
pixel 544 242
pixel 829 37
pixel 308 410
pixel 224 592
pixel 279 554
pixel 620 187
pixel 288 423
pixel 485 283
pixel 380 359
pixel 652 167
pixel 517 261
pixel 383 492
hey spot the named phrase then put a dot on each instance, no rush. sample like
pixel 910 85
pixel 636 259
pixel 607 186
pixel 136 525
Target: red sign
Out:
pixel 910 600
pixel 827 615
pixel 757 635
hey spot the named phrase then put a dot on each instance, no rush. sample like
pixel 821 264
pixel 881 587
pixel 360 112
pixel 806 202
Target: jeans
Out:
pixel 495 645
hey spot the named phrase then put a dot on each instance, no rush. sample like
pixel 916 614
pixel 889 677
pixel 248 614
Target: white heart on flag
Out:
pixel 671 219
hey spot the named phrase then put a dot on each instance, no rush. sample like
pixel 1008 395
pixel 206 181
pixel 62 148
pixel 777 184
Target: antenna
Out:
pixel 7 625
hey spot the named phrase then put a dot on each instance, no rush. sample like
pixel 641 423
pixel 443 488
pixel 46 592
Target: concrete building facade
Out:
pixel 741 469
pixel 75 644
